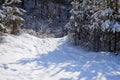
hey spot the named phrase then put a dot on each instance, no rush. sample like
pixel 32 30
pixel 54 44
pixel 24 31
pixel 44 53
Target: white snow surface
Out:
pixel 26 57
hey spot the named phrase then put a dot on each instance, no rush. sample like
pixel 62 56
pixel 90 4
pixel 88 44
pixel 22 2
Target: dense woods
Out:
pixel 45 15
pixel 92 24
pixel 95 25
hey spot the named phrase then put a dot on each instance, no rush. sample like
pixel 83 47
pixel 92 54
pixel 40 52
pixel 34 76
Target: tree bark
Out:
pixel 109 41
pixel 35 4
pixel 115 41
pixel 116 5
pixel 15 28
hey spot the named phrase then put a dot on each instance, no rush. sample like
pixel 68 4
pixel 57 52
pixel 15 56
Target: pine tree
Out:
pixel 80 21
pixel 12 14
pixel 95 24
pixel 106 20
pixel 2 25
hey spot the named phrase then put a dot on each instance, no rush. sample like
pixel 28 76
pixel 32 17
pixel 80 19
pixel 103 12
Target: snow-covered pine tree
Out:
pixel 95 24
pixel 80 21
pixel 12 18
pixel 2 26
pixel 73 21
pixel 106 24
pixel 72 25
pixel 84 21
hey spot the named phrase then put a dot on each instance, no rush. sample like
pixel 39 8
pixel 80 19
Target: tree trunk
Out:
pixel 35 4
pixel 115 41
pixel 116 6
pixel 15 29
pixel 109 42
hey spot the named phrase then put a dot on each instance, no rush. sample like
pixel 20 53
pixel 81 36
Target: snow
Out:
pixel 75 4
pixel 76 24
pixel 112 24
pixel 103 13
pixel 116 27
pixel 18 10
pixel 7 8
pixel 72 18
pixel 26 57
pixel 2 26
pixel 67 26
pixel 1 14
pixel 14 17
pixel 7 2
pixel 107 12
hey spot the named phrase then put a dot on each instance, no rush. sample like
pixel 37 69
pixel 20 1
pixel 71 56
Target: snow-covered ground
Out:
pixel 26 57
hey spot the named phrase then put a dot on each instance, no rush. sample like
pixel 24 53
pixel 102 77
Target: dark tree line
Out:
pixel 95 25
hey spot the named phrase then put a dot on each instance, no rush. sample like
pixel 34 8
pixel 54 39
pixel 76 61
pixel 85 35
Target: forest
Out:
pixel 96 24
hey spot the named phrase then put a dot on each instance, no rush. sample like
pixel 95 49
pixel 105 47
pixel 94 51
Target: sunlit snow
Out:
pixel 26 57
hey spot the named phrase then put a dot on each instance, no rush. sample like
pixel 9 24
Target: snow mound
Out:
pixel 27 57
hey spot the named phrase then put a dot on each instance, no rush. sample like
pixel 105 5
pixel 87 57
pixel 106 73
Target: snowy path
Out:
pixel 26 57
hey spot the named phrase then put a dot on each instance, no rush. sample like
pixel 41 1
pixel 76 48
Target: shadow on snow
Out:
pixel 89 67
